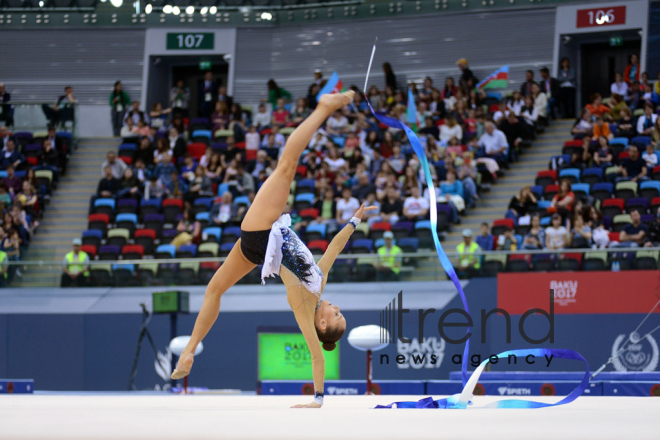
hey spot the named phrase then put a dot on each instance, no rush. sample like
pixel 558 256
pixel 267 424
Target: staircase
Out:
pixel 65 217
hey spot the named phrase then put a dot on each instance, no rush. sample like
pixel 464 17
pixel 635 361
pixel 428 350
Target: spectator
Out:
pixel 335 162
pixel 301 111
pixel 11 156
pixel 207 95
pixel 5 198
pixel 550 86
pixel 466 75
pixel 494 143
pixel 119 100
pixel 452 189
pixel 27 200
pixel 14 184
pixel 391 206
pixel 633 234
pixel 275 92
pixel 164 169
pixel 136 114
pixel 179 99
pixel 526 87
pixel 516 132
pixel 617 104
pixel 226 211
pixel 601 128
pixel 567 84
pixel 583 126
pixel 562 202
pixel 129 129
pixel 604 157
pixel 5 136
pixel 116 165
pixel 535 238
pixel 646 122
pixel 450 129
pixel 6 112
pixel 4 267
pixel 389 259
pixel 650 157
pixel 108 187
pixel 281 116
pixel 346 206
pixel 653 233
pixel 521 204
pixel 129 185
pixel 262 119
pixel 188 231
pixel 141 171
pixel 469 264
pixel 62 110
pixel 625 125
pixel 632 69
pixel 154 188
pixel 530 114
pixel 485 239
pixel 158 116
pixel 224 97
pixel 327 207
pixel 619 86
pixel 363 187
pixel 177 143
pixel 200 185
pixel 415 207
pixel 540 103
pixel 516 103
pixel 581 233
pixel 145 151
pixel 75 267
pixel 556 235
pixel 632 168
pixel 175 186
pixel 596 106
pixel 507 241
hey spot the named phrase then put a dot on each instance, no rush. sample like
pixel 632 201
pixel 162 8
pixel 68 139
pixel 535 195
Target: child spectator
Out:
pixel 535 238
pixel 556 234
pixel 649 157
pixel 581 233
pixel 485 239
pixel 506 241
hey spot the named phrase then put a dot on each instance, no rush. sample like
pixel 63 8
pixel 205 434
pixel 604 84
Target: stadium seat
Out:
pixel 147 273
pixel 602 190
pixel 109 252
pixel 165 251
pixel 223 188
pixel 202 134
pixel 543 263
pixel 493 264
pixel 171 209
pixel 646 260
pixel 649 189
pixel 199 124
pixel 187 251
pixel 90 250
pixel 99 222
pixel 570 262
pixel 655 204
pixel 571 174
pixel 211 234
pixel 402 229
pixel 365 270
pixel 377 230
pixel 208 250
pixel 145 238
pixel 550 191
pixel 127 221
pixel 625 190
pixel 619 141
pixel 132 252
pixel 594 261
pixel 362 231
pixel 230 234
pixel 517 263
pixel 196 150
pixel 581 190
pixel 641 142
pixel 362 246
pixel 155 222
pixel 242 201
pixel 225 248
pixel 101 275
pixel 538 191
pixel 309 214
pixel 118 236
pixel 318 247
pixel 151 206
pixel 501 225
pixel 127 206
pixel 305 186
pixel 92 237
pixel 303 201
pixel 423 232
pixel 640 204
pixel 104 206
pixel 187 273
pixel 592 175
pixel 315 232
pixel 126 149
pixel 612 207
pixel 444 217
pixel 620 221
pixel 201 204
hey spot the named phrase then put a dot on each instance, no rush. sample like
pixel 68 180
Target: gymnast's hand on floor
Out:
pixel 309 405
pixel 360 212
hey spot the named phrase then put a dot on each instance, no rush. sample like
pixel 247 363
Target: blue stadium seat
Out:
pixel 641 141
pixel 223 188
pixel 164 250
pixel 187 251
pixel 203 216
pixel 242 200
pixel 649 189
pixel 619 141
pixel 362 246
pixel 572 174
pixel 120 266
pixel 592 175
pixel 127 217
pixel 545 221
pixel 544 204
pixel 315 230
pixel 204 201
pixel 381 242
pixel 409 243
pixel 202 133
pixel 212 232
pixel 105 202
pixel 581 188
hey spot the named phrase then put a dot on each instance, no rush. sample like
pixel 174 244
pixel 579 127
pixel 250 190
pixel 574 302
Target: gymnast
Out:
pixel 266 239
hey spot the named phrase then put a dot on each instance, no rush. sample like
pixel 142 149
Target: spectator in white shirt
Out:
pixel 493 141
pixel 335 161
pixel 415 206
pixel 262 118
pixel 646 121
pixel 619 86
pixel 450 129
pixel 650 157
pixel 502 112
pixel 346 206
pixel 337 124
pixel 279 139
pixel 516 103
pixel 318 140
pixel 252 139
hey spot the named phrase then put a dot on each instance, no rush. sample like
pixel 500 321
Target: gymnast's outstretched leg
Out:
pixel 266 210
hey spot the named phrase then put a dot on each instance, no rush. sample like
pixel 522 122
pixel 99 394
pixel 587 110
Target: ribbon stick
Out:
pixel 462 400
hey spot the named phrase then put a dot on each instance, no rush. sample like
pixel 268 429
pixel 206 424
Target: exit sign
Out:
pixel 190 41
pixel 597 17
pixel 616 41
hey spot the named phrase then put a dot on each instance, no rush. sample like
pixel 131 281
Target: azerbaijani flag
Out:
pixel 496 80
pixel 411 111
pixel 334 85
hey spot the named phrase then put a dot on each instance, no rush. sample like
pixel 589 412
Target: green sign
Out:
pixel 285 356
pixel 616 41
pixel 204 65
pixel 190 41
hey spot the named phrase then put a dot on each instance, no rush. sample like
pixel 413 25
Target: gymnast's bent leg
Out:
pixel 266 209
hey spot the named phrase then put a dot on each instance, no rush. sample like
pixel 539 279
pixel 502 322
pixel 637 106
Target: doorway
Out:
pixel 600 62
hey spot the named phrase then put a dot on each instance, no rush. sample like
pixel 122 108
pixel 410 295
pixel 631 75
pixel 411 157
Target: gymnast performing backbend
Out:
pixel 266 239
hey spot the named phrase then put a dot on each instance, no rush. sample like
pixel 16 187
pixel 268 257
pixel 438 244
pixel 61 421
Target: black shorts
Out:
pixel 254 245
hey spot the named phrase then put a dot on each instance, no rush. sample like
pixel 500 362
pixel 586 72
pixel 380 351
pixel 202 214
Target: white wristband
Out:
pixel 355 221
pixel 318 398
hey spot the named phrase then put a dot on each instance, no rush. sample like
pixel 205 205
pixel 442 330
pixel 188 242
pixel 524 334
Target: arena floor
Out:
pixel 126 416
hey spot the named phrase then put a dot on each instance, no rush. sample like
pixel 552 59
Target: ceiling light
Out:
pixel 167 9
pixel 41 4
pixel 148 8
pixel 213 10
pixel 116 3
pixel 204 10
pixel 176 10
pixel 190 10
pixel 266 16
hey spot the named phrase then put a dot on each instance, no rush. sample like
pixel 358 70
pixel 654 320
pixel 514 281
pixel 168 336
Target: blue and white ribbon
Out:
pixel 461 401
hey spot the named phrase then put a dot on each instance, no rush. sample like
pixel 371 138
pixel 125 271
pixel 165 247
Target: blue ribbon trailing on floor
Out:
pixel 462 400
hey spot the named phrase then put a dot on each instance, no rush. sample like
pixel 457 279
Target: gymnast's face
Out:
pixel 329 316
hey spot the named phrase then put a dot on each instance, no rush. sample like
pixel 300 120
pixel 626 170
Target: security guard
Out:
pixel 75 267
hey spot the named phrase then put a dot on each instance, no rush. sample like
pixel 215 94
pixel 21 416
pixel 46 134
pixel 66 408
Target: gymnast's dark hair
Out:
pixel 330 337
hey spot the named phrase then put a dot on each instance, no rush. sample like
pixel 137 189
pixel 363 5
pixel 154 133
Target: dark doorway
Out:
pixel 193 76
pixel 600 62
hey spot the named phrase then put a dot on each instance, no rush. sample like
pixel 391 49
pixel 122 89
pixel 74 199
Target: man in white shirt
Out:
pixel 337 124
pixel 279 138
pixel 262 118
pixel 619 86
pixel 493 141
pixel 646 122
pixel 415 206
pixel 346 206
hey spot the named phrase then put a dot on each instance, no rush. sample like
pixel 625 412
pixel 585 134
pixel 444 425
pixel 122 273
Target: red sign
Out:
pixel 579 292
pixel 601 16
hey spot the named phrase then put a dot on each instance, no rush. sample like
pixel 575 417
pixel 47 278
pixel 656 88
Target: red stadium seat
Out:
pixel 145 233
pixel 127 160
pixel 381 226
pixel 89 249
pixel 132 251
pixel 302 170
pixel 250 155
pixel 197 149
pixel 614 236
pixel 318 244
pixel 573 143
pixel 309 214
pixel 99 218
pixel 173 202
